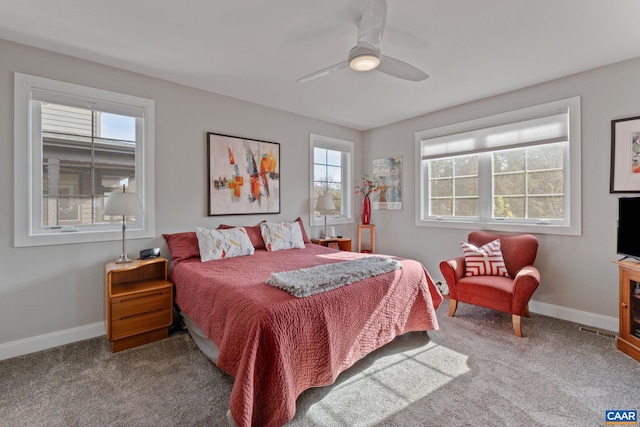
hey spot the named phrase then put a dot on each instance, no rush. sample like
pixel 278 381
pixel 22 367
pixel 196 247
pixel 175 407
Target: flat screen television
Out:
pixel 628 243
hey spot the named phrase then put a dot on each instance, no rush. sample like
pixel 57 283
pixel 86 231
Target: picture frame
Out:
pixel 625 155
pixel 387 174
pixel 243 175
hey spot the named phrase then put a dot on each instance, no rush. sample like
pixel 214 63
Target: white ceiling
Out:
pixel 255 50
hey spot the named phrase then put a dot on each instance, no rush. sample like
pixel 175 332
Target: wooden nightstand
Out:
pixel 139 302
pixel 342 243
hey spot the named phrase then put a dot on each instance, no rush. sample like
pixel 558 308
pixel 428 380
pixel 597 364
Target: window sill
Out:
pixel 62 238
pixel 510 227
pixel 330 221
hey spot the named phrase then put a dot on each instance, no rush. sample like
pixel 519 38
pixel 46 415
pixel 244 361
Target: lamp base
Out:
pixel 124 258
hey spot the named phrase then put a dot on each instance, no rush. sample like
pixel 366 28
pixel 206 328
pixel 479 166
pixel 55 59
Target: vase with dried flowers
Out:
pixel 367 187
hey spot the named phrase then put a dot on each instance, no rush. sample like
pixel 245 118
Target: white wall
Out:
pixel 579 282
pixel 54 294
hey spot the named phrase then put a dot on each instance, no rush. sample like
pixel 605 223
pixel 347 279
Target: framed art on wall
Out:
pixel 387 174
pixel 244 175
pixel 625 155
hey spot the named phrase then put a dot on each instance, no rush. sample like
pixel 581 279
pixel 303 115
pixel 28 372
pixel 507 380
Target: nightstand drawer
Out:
pixel 144 302
pixel 138 323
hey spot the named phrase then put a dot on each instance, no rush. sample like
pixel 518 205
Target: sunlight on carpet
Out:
pixel 393 380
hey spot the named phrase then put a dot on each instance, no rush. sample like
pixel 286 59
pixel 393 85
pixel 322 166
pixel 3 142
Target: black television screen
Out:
pixel 629 227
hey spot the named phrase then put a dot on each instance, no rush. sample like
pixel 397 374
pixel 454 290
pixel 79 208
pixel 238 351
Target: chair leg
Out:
pixel 517 325
pixel 453 304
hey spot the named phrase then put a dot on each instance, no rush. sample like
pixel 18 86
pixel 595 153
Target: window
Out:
pixel 332 166
pixel 518 171
pixel 73 146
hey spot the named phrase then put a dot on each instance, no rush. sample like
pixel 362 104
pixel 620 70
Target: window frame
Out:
pixel 572 225
pixel 27 170
pixel 347 147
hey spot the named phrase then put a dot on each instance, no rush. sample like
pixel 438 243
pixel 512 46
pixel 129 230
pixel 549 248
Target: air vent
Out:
pixel 596 332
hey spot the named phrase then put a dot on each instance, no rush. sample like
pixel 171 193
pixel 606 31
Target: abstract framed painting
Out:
pixel 625 156
pixel 244 175
pixel 387 174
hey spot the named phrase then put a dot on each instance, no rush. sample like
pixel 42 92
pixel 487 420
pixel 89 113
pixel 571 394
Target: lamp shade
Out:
pixel 123 204
pixel 324 203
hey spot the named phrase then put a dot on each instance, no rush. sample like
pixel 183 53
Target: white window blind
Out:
pixel 542 130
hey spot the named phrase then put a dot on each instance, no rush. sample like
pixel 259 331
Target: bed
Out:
pixel 276 345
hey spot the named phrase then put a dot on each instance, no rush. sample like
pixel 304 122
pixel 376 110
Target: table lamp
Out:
pixel 325 203
pixel 123 204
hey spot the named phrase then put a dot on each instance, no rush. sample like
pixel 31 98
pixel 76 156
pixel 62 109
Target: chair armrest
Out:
pixel 524 285
pixel 453 270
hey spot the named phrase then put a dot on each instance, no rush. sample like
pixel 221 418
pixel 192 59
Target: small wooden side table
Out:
pixel 372 238
pixel 139 302
pixel 342 243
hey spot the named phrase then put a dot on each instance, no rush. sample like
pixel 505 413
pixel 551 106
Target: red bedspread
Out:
pixel 275 345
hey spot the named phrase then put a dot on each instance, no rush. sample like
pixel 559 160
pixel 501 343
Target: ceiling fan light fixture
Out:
pixel 364 58
pixel 366 55
pixel 366 62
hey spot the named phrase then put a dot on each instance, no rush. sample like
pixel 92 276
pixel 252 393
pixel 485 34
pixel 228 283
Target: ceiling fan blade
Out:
pixel 372 24
pixel 337 67
pixel 396 68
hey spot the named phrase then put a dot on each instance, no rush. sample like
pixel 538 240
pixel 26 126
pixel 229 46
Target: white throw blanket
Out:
pixel 314 280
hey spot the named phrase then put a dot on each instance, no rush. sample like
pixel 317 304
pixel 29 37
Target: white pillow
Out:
pixel 486 260
pixel 226 243
pixel 281 236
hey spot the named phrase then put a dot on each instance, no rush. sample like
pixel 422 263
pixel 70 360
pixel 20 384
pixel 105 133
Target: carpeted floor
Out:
pixel 473 371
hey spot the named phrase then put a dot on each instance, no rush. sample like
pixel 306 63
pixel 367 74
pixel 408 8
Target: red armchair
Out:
pixel 506 294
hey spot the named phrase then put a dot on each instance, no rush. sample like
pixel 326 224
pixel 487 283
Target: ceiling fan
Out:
pixel 366 55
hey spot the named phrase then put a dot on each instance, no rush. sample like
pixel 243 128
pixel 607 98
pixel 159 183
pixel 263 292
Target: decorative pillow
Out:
pixel 255 235
pixel 305 237
pixel 182 246
pixel 486 260
pixel 219 244
pixel 282 236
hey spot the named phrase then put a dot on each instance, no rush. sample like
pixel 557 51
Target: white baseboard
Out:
pixel 576 316
pixel 54 339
